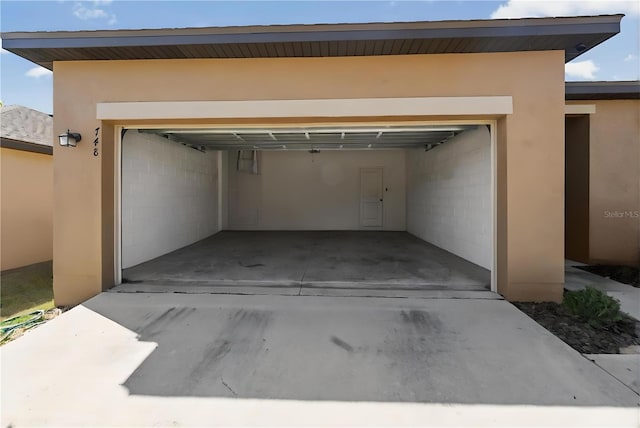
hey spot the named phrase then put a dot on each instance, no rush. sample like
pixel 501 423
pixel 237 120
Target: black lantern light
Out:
pixel 69 139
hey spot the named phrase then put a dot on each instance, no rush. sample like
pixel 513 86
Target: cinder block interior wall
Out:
pixel 449 195
pixel 169 196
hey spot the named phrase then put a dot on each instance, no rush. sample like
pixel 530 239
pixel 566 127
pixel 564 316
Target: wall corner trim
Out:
pixel 421 106
pixel 579 109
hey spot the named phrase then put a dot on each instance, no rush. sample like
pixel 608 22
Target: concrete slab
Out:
pixel 629 301
pixel 625 368
pixel 207 287
pixel 337 289
pixel 127 359
pixel 577 279
pixel 286 259
pixel 389 258
pixel 629 297
pixel 396 292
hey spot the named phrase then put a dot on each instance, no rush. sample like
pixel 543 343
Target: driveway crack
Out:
pixel 302 280
pixel 610 374
pixel 228 387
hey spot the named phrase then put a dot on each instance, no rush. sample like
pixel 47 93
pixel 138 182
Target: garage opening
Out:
pixel 365 209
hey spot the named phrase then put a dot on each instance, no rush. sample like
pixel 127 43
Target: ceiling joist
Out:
pixel 354 138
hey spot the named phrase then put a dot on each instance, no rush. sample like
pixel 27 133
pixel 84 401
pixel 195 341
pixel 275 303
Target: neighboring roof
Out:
pixel 23 128
pixel 623 90
pixel 574 35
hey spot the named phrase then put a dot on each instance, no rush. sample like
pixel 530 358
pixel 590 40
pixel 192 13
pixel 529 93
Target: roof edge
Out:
pixel 562 33
pixel 244 29
pixel 603 90
pixel 25 146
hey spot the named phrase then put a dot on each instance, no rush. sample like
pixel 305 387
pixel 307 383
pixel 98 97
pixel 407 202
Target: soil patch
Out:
pixel 580 335
pixel 624 274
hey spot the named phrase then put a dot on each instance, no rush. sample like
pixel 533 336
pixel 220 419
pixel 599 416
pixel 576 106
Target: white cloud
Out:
pixel 92 10
pixel 630 57
pixel 539 8
pixel 585 70
pixel 38 72
pixel 85 13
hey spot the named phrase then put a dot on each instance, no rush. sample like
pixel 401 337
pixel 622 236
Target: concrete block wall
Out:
pixel 449 196
pixel 169 196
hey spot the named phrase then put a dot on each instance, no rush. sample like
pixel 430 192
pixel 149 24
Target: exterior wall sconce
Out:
pixel 69 139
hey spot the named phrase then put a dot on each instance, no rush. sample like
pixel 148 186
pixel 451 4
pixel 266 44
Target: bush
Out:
pixel 593 307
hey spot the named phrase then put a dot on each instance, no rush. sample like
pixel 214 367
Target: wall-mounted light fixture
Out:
pixel 69 139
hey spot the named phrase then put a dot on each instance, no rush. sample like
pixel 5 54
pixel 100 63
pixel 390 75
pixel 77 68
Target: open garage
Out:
pixel 372 209
pixel 203 148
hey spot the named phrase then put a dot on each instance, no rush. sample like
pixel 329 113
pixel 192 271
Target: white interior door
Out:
pixel 371 199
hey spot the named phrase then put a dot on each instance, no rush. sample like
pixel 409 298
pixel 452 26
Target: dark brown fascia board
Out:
pixel 603 90
pixel 603 24
pixel 25 146
pixel 456 25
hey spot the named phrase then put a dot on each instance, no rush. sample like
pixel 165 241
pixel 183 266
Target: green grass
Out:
pixel 26 289
pixel 18 320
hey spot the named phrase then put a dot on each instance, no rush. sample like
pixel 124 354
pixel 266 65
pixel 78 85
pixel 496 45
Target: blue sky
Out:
pixel 22 82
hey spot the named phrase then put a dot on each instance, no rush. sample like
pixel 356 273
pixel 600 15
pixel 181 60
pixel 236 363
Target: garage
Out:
pixel 266 133
pixel 340 210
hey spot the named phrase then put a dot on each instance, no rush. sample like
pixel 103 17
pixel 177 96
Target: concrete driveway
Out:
pixel 204 359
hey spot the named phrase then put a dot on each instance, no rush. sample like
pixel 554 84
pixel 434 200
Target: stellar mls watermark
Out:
pixel 621 214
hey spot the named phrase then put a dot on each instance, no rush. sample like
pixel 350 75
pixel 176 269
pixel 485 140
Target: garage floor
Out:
pixel 310 263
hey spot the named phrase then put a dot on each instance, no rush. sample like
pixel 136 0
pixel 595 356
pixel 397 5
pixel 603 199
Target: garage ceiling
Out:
pixel 312 138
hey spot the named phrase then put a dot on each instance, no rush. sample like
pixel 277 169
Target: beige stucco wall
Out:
pixel 297 190
pixel 614 182
pixel 26 208
pixel 530 183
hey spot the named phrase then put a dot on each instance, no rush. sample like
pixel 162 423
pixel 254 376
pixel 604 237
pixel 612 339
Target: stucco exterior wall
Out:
pixel 169 196
pixel 449 196
pixel 531 183
pixel 614 182
pixel 26 208
pixel 296 190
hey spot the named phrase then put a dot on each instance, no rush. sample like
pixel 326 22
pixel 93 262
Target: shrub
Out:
pixel 593 306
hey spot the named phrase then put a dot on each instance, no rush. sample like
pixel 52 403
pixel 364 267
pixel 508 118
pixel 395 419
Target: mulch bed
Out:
pixel 624 274
pixel 580 335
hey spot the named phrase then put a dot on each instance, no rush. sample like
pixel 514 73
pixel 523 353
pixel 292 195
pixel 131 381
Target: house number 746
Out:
pixel 95 142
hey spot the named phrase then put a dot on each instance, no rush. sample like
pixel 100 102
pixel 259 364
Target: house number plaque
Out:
pixel 96 141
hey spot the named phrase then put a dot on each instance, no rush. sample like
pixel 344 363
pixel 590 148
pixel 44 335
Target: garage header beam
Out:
pixel 574 35
pixel 327 108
